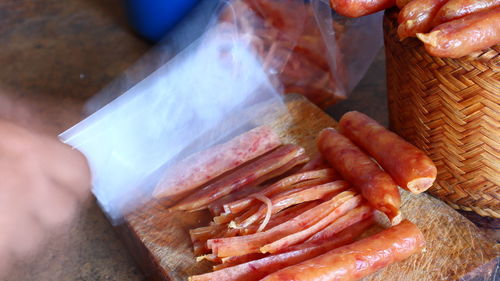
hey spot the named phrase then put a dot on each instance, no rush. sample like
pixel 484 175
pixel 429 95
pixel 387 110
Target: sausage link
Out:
pixel 359 259
pixel 251 174
pixel 242 245
pixel 408 166
pixel 358 8
pixel 402 3
pixel 416 17
pixel 204 166
pixel 463 36
pixel 256 269
pixel 455 9
pixel 357 168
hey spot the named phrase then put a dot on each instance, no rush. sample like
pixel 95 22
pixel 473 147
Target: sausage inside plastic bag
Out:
pixel 209 93
pixel 352 44
pixel 216 88
pixel 306 48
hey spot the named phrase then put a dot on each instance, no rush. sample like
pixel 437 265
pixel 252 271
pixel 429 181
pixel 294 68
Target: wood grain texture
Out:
pixel 456 249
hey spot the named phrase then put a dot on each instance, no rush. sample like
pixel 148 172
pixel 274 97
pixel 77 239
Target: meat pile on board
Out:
pixel 279 215
pixel 448 28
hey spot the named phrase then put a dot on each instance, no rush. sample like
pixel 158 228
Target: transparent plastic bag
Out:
pixel 326 54
pixel 170 108
pixel 210 92
pixel 272 27
pixel 352 44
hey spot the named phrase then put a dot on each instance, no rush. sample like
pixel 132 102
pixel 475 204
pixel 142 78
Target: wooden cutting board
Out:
pixel 456 249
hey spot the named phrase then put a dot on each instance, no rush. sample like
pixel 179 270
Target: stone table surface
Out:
pixel 54 55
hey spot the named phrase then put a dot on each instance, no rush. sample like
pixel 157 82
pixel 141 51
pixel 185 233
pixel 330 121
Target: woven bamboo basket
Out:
pixel 450 108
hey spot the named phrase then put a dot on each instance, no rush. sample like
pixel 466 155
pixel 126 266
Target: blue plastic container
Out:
pixel 153 18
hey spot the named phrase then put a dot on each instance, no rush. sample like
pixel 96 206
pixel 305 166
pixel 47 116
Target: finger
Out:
pixel 5 251
pixel 54 205
pixel 5 264
pixel 20 234
pixel 28 236
pixel 72 171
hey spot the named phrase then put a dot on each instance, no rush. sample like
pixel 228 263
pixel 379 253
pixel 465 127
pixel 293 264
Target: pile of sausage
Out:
pixel 279 215
pixel 448 28
pixel 287 38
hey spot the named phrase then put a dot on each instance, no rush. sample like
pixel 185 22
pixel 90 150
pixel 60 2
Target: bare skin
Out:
pixel 42 183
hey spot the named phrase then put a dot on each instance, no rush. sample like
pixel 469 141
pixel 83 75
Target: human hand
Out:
pixel 42 182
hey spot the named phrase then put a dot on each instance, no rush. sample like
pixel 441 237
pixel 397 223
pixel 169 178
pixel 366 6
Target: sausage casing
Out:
pixel 402 3
pixel 376 186
pixel 465 35
pixel 455 9
pixel 416 17
pixel 251 174
pixel 358 8
pixel 359 259
pixel 202 167
pixel 410 167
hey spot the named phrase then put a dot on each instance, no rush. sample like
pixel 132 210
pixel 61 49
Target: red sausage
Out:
pixel 358 8
pixel 455 9
pixel 242 245
pixel 324 175
pixel 408 166
pixel 402 3
pixel 361 213
pixel 216 208
pixel 357 168
pixel 359 259
pixel 282 217
pixel 251 174
pixel 256 269
pixel 416 17
pixel 297 196
pixel 316 163
pixel 204 166
pixel 301 236
pixel 463 36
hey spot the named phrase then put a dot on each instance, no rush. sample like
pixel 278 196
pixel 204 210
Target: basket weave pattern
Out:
pixel 450 108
